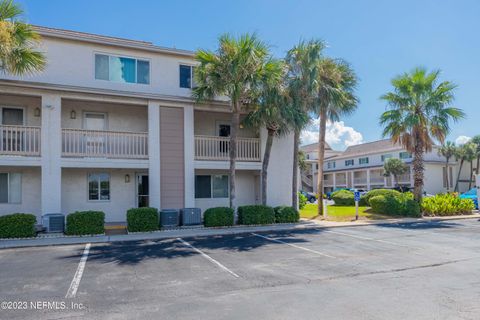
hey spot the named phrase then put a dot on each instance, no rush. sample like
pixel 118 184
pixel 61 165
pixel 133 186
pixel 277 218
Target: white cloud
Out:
pixel 338 135
pixel 462 140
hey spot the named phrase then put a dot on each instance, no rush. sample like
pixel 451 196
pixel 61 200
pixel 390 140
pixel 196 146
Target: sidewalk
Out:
pixel 53 240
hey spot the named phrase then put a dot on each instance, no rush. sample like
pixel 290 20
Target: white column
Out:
pixel 154 154
pixel 51 140
pixel 189 155
pixel 368 179
pixel 411 177
pixel 334 180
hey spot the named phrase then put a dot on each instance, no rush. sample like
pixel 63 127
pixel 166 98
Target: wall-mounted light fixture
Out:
pixel 241 125
pixel 37 112
pixel 127 178
pixel 73 114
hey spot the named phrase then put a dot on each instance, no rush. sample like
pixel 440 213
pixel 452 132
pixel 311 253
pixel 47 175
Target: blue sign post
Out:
pixel 356 197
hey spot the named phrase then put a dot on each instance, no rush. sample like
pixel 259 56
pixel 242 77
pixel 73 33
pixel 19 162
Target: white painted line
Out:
pixel 367 238
pixel 72 291
pixel 293 245
pixel 206 256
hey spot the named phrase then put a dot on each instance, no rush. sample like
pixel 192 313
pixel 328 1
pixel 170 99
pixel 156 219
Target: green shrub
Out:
pixel 343 198
pixel 257 214
pixel 365 200
pixel 17 225
pixel 85 222
pixel 285 214
pixel 218 217
pixel 400 205
pixel 142 219
pixel 446 205
pixel 302 201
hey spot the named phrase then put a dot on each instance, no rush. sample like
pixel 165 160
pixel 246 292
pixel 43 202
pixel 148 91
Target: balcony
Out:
pixel 19 140
pixel 218 148
pixel 104 144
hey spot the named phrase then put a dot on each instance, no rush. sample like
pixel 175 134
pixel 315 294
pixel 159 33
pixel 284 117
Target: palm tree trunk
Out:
pixel 266 160
pixel 296 142
pixel 478 164
pixel 418 171
pixel 321 155
pixel 446 175
pixel 471 176
pixel 458 176
pixel 233 152
pixel 396 180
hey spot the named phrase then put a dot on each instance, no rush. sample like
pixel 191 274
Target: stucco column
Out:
pixel 154 154
pixel 334 181
pixel 51 140
pixel 189 155
pixel 368 179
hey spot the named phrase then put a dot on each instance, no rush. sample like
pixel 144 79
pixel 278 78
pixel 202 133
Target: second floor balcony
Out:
pixel 218 148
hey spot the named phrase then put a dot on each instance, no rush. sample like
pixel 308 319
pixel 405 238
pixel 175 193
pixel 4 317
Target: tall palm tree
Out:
pixel 470 155
pixel 394 167
pixel 303 63
pixel 18 42
pixel 476 140
pixel 418 113
pixel 336 84
pixel 238 69
pixel 447 150
pixel 460 155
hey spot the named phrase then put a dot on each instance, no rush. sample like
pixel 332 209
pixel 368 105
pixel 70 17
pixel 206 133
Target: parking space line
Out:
pixel 206 256
pixel 293 245
pixel 72 290
pixel 367 238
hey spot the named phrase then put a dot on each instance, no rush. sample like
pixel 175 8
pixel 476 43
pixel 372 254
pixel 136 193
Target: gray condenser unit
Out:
pixel 191 216
pixel 169 218
pixel 53 222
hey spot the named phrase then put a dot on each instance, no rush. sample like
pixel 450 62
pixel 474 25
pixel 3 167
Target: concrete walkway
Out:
pixel 53 240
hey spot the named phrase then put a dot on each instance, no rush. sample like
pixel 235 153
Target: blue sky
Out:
pixel 380 39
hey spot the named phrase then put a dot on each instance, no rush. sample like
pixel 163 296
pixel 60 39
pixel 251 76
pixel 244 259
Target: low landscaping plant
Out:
pixel 446 204
pixel 85 222
pixel 286 214
pixel 17 225
pixel 302 201
pixel 218 217
pixel 365 200
pixel 343 198
pixel 400 205
pixel 257 214
pixel 142 219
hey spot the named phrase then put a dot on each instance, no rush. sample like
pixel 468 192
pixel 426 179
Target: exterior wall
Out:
pixel 120 117
pixel 433 179
pixel 28 103
pixel 31 185
pixel 206 124
pixel 122 194
pixel 172 164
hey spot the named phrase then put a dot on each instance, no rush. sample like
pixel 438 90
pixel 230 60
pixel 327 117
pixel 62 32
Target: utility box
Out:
pixel 169 218
pixel 53 222
pixel 191 216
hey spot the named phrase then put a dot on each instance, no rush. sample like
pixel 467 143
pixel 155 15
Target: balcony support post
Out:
pixel 154 154
pixel 368 179
pixel 189 156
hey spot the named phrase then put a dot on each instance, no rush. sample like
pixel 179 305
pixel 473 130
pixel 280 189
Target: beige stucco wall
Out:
pixel 29 103
pixel 206 123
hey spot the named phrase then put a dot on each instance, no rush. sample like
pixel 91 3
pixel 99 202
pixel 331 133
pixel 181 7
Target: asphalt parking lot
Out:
pixel 427 270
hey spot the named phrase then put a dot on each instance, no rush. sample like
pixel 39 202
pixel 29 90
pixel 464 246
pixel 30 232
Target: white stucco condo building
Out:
pixel 110 125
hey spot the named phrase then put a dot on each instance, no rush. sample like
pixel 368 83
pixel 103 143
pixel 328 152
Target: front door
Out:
pixel 142 190
pixel 11 138
pixel 224 131
pixel 95 139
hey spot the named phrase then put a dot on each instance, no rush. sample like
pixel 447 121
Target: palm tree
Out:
pixel 476 140
pixel 302 62
pixel 394 167
pixel 470 155
pixel 447 150
pixel 460 155
pixel 18 41
pixel 418 113
pixel 238 69
pixel 336 83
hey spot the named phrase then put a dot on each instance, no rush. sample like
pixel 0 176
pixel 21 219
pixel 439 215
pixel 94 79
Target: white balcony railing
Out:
pixel 360 180
pixel 104 144
pixel 217 148
pixel 19 140
pixel 377 179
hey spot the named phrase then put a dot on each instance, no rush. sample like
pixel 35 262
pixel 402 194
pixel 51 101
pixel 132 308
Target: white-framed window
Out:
pixel 363 160
pixel 98 187
pixel 14 116
pixel 386 156
pixel 10 187
pixel 349 162
pixel 405 155
pixel 121 69
pixel 186 77
pixel 331 164
pixel 211 186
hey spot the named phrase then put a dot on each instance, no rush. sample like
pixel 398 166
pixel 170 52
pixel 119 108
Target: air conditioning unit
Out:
pixel 169 218
pixel 191 216
pixel 53 222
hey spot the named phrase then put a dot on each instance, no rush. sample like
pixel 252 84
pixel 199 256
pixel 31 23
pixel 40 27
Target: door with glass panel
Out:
pixel 142 190
pixel 11 137
pixel 224 131
pixel 95 125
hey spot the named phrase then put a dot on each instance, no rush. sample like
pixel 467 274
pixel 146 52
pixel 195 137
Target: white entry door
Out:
pixel 10 137
pixel 95 140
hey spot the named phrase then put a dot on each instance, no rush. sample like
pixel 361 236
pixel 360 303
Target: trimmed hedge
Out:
pixel 142 219
pixel 302 201
pixel 400 206
pixel 85 222
pixel 17 225
pixel 218 217
pixel 446 205
pixel 343 198
pixel 256 214
pixel 365 200
pixel 286 214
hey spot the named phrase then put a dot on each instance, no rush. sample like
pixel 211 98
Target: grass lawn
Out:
pixel 340 213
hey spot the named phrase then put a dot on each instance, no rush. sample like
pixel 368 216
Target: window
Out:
pixel 385 157
pixel 12 116
pixel 405 155
pixel 330 164
pixel 120 69
pixel 211 186
pixel 98 187
pixel 350 162
pixel 10 188
pixel 450 177
pixel 186 77
pixel 363 160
